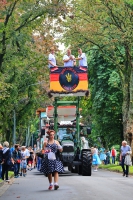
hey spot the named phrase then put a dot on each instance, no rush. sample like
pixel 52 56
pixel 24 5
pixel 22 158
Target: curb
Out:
pixel 1 183
pixel 5 185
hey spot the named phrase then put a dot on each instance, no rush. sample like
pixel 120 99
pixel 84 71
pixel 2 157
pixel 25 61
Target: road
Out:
pixel 102 185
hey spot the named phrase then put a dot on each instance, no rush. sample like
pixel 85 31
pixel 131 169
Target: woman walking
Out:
pixel 50 164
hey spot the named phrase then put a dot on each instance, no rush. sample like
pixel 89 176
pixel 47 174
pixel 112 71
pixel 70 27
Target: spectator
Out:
pixel 35 148
pixel 84 143
pixel 102 155
pixel 35 156
pixel 96 149
pixel 113 155
pixel 107 157
pixel 1 160
pixel 23 161
pixel 6 160
pixel 12 149
pixel 95 159
pixel 31 158
pixel 16 156
pixel 27 154
pixel 125 150
pixel 39 161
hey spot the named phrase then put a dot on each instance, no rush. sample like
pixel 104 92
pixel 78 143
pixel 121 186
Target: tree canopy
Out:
pixel 25 38
pixel 106 26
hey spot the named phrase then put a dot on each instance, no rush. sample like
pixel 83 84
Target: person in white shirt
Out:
pixel 68 59
pixel 81 58
pixel 23 164
pixel 51 58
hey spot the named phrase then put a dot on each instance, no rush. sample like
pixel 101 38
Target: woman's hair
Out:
pixel 50 131
pixel 93 150
pixel 6 144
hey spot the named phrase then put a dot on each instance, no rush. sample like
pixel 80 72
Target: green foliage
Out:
pixel 106 26
pixel 25 36
pixel 106 96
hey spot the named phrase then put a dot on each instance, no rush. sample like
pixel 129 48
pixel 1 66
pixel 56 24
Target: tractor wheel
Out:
pixel 86 163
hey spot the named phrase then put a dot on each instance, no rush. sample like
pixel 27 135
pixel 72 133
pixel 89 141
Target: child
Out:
pixel 95 159
pixel 23 161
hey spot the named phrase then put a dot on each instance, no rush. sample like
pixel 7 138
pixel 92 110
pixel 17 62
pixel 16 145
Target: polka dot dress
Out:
pixel 50 166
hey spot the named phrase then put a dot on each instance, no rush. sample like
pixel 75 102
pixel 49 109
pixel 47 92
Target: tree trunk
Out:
pixel 128 110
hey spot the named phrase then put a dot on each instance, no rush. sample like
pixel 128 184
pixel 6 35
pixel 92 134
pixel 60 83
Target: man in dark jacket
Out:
pixel 16 156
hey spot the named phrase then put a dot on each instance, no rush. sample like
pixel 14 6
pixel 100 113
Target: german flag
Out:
pixel 69 79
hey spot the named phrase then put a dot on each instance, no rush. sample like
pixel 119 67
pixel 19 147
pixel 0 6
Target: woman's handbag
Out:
pixel 51 156
pixel 127 160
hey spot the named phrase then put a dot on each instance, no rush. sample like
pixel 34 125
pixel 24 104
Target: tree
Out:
pixel 23 66
pixel 107 24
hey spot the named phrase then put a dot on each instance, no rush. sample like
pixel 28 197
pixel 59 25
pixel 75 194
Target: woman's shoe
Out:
pixel 123 174
pixel 56 187
pixel 50 187
pixel 126 175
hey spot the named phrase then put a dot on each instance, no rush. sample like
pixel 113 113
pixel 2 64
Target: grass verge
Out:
pixel 10 175
pixel 115 168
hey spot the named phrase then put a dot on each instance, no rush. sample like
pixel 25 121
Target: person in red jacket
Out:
pixel 113 155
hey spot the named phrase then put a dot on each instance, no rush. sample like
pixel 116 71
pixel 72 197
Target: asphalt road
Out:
pixel 102 185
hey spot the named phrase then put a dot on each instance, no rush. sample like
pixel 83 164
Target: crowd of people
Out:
pixel 18 159
pixel 69 60
pixel 23 159
pixel 104 156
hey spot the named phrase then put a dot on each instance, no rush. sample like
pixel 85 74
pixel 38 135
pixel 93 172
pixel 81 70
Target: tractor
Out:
pixel 76 157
